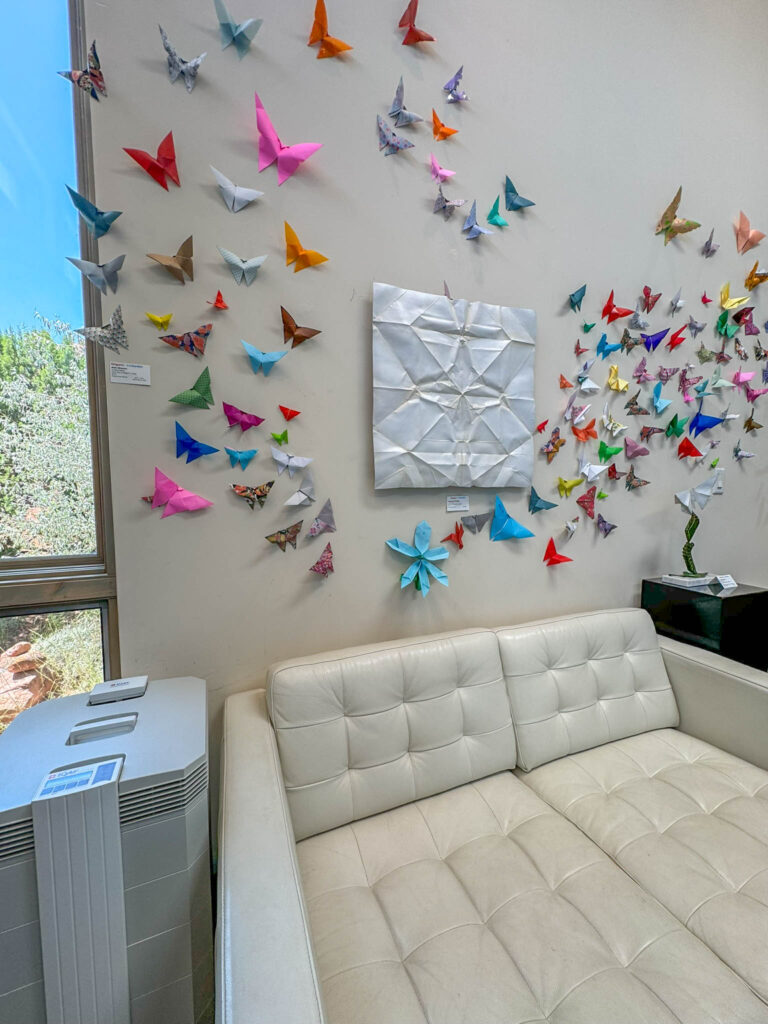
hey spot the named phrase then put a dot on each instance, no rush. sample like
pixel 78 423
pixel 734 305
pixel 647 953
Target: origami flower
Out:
pixel 424 557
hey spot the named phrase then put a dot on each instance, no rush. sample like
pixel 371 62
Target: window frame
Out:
pixel 69 582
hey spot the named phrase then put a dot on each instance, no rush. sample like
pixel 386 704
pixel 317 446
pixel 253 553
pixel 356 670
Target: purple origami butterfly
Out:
pixel 640 372
pixel 632 449
pixel 388 141
pixel 452 88
pixel 665 374
pixel 604 527
pixel 652 341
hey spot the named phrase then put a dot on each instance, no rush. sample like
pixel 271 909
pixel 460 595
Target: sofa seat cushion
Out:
pixel 482 905
pixel 689 823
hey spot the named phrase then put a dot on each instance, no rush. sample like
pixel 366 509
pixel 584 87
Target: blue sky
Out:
pixel 37 158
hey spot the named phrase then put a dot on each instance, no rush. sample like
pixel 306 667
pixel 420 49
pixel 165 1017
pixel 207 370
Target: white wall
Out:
pixel 598 111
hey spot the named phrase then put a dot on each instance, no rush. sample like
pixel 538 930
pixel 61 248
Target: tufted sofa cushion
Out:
pixel 583 680
pixel 686 820
pixel 366 729
pixel 483 906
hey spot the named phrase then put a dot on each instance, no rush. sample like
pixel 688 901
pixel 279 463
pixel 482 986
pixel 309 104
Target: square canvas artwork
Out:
pixel 452 391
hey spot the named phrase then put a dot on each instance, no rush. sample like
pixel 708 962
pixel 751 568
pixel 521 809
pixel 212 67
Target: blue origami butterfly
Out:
pixel 471 226
pixel 604 349
pixel 513 198
pixel 659 403
pixel 98 221
pixel 576 298
pixel 537 504
pixel 262 360
pixel 700 422
pixel 504 527
pixel 240 459
pixel 186 445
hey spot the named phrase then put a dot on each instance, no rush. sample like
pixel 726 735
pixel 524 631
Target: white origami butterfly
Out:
pixel 242 269
pixel 236 197
pixel 305 495
pixel 284 460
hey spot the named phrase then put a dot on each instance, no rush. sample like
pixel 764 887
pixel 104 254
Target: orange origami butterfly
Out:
pixel 292 332
pixel 439 130
pixel 296 253
pixel 329 46
pixel 584 433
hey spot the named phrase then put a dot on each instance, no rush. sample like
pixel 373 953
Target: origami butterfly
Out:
pixel 100 274
pixel 587 501
pixel 240 459
pixel 178 265
pixel 571 526
pixel 743 315
pixel 244 420
pixel 634 408
pixel 652 341
pixel 174 497
pixel 649 299
pixel 685 449
pixel 587 328
pixel 574 413
pixel 324 564
pixel 565 383
pixel 700 422
pixel 159 167
pixel 439 174
pixel 698 495
pixel 160 322
pixel 584 433
pixel 242 270
pixel 705 299
pixel 456 537
pixel 476 523
pixel 564 487
pixel 710 248
pixel 187 445
pixel 588 470
pixel 604 349
pixel 605 452
pixel 271 149
pixel 295 253
pixel 324 522
pixel 553 445
pixel 723 328
pixel 752 396
pixel 739 453
pixel 676 338
pixel 199 396
pixel 288 414
pixel 259 360
pixel 241 34
pixel 552 556
pixel 280 439
pixel 471 226
pixel 537 504
pixel 305 494
pixel 389 141
pixel 751 423
pixel 577 297
pixel 640 372
pixel 578 350
pixel 287 536
pixel 636 321
pixel 403 117
pixel 177 66
pixel 494 217
pixel 235 197
pixel 760 352
pixel 455 95
pixel 633 482
pixel 686 382
pixel 192 342
pixel 90 80
pixel 408 21
pixel 293 333
pixel 676 303
pixel 633 450
pixel 646 433
pixel 755 277
pixel 672 225
pixel 446 206
pixel 746 237
pixel 613 312
pixel 253 494
pixel 218 302
pixel 512 198
pixel 504 527
pixel 97 221
pixel 628 342
pixel 329 45
pixel 111 335
pixel 659 403
pixel 284 460
pixel 615 382
pixel 441 131
pixel 706 355
pixel 613 473
pixel 726 302
pixel 611 425
pixel 676 426
pixel 695 327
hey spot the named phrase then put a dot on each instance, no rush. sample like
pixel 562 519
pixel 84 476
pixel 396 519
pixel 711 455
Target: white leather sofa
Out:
pixel 505 826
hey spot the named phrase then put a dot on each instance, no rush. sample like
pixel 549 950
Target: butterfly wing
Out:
pixel 149 164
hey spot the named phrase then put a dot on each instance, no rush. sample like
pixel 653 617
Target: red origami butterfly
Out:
pixel 408 21
pixel 587 501
pixel 159 167
pixel 324 564
pixel 614 312
pixel 649 300
pixel 552 556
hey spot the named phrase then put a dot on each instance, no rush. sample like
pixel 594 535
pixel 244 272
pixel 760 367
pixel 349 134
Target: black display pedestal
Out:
pixel 730 622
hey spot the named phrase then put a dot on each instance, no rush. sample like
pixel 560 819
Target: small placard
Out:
pixel 129 373
pixel 726 582
pixel 457 503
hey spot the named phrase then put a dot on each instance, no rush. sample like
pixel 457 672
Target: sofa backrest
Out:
pixel 366 729
pixel 584 680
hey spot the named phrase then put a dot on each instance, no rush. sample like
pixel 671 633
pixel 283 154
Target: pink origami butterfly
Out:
pixel 174 497
pixel 244 420
pixel 640 372
pixel 666 373
pixel 752 396
pixel 271 149
pixel 324 564
pixel 632 449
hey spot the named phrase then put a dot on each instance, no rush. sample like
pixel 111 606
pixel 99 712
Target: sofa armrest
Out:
pixel 721 701
pixel 265 971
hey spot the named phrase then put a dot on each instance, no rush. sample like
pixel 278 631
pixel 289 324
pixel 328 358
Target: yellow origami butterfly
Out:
pixel 160 322
pixel 297 254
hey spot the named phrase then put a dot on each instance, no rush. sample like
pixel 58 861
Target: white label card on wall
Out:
pixel 726 582
pixel 129 373
pixel 457 503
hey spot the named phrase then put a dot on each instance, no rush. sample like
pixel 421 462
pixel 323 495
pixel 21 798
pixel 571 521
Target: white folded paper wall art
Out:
pixel 452 391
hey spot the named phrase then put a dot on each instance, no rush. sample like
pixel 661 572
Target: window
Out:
pixel 57 585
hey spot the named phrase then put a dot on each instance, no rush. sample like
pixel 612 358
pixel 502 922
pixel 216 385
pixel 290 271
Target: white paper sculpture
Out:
pixel 452 391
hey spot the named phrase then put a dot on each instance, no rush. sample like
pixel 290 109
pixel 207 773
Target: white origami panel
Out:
pixel 452 391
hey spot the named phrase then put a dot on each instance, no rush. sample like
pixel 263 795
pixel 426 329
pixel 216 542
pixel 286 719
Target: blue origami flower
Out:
pixel 424 557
